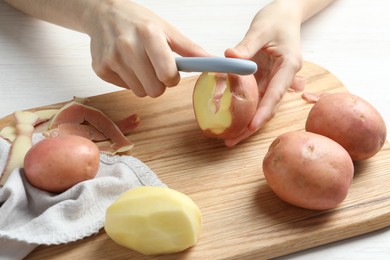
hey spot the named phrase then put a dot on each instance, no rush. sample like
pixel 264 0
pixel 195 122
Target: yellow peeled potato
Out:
pixel 154 221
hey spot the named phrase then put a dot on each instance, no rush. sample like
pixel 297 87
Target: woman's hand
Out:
pixel 273 42
pixel 133 48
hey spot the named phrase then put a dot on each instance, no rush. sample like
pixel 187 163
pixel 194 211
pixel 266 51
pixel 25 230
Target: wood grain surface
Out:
pixel 242 217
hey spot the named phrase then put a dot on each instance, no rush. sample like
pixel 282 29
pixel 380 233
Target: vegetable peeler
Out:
pixel 216 64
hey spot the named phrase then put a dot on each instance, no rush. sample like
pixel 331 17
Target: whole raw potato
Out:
pixel 308 170
pixel 56 164
pixel 224 104
pixel 349 120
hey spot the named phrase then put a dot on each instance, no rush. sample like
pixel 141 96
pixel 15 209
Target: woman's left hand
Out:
pixel 273 42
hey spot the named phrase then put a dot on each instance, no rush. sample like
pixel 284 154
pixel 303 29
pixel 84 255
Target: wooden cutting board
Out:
pixel 242 218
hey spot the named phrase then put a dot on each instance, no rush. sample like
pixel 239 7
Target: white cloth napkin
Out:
pixel 30 217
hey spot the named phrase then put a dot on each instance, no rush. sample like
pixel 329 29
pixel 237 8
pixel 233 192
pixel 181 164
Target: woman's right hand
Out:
pixel 133 48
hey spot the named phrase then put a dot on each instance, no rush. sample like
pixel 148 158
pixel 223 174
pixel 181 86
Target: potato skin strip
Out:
pixel 24 125
pixel 76 113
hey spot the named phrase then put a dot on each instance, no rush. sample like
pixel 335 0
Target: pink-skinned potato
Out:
pixel 349 120
pixel 308 170
pixel 224 104
pixel 57 164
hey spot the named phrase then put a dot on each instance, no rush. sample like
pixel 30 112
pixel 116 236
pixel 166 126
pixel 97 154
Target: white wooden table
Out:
pixel 41 64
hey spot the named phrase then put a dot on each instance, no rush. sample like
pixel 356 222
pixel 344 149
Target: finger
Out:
pixel 131 80
pixel 243 136
pixel 106 74
pixel 103 70
pixel 145 73
pixel 274 93
pixel 162 60
pixel 234 53
pixel 113 69
pixel 252 43
pixel 298 84
pixel 134 59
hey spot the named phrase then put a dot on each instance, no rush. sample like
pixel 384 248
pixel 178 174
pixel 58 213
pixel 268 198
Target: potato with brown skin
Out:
pixel 57 164
pixel 308 170
pixel 349 120
pixel 224 104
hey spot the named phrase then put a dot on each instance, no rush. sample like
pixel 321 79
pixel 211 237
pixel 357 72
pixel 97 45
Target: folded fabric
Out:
pixel 30 217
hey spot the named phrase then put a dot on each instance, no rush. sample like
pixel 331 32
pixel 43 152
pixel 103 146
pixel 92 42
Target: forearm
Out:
pixel 306 8
pixel 71 14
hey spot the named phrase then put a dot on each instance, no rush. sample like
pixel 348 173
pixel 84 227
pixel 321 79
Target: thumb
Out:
pixel 235 53
pixel 248 47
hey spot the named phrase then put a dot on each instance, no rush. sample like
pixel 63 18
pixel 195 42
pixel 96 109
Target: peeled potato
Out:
pixel 154 221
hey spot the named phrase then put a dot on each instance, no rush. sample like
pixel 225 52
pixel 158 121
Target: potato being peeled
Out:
pixel 308 170
pixel 224 104
pixel 349 120
pixel 57 164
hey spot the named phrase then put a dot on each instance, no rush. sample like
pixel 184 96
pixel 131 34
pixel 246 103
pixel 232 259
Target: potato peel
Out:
pixel 77 113
pixel 24 126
